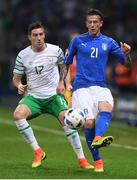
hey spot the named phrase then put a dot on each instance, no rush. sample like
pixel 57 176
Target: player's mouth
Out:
pixel 39 43
pixel 93 30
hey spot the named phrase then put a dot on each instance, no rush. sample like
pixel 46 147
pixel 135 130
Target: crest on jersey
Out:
pixel 30 62
pixel 104 46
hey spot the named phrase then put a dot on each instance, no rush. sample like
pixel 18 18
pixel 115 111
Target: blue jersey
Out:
pixel 91 59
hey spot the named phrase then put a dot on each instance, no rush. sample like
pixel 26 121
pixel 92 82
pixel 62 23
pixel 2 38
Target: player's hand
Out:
pixel 126 48
pixel 22 88
pixel 61 88
pixel 68 86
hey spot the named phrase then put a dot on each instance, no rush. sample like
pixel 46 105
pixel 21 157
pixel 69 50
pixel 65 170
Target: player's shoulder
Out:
pixel 109 41
pixel 81 36
pixel 107 38
pixel 25 51
pixel 53 47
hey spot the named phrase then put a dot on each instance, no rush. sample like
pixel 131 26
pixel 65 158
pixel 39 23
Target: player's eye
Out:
pixel 35 35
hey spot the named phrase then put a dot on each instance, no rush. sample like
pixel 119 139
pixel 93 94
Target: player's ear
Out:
pixel 29 37
pixel 101 23
pixel 86 24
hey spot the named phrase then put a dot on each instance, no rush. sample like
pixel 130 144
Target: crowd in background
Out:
pixel 64 17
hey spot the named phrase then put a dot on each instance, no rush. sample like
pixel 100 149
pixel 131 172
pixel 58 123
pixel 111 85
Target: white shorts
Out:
pixel 88 99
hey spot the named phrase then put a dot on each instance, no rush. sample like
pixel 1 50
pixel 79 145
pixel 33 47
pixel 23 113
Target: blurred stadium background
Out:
pixel 62 18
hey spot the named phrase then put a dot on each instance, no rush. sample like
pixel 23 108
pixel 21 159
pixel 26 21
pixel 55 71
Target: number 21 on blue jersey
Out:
pixel 94 52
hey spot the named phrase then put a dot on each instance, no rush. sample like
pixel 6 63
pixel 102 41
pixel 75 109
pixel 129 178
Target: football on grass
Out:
pixel 74 118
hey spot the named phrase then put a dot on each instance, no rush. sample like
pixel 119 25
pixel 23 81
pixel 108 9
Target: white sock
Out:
pixel 27 133
pixel 75 141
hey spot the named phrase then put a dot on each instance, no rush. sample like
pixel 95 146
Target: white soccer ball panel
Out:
pixel 74 118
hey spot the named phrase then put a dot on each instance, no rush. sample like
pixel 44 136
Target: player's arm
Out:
pixel 63 69
pixel 68 81
pixel 71 51
pixel 16 80
pixel 69 55
pixel 122 52
pixel 126 50
pixel 18 72
pixel 18 84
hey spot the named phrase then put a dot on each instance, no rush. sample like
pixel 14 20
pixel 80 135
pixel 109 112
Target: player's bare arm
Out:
pixel 68 81
pixel 63 69
pixel 126 48
pixel 17 83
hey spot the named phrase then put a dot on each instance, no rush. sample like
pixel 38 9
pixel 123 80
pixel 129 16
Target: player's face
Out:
pixel 37 39
pixel 94 23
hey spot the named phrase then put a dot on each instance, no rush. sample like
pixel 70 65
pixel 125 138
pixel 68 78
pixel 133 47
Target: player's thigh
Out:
pixel 105 106
pixel 105 100
pixel 84 99
pixel 57 105
pixel 33 105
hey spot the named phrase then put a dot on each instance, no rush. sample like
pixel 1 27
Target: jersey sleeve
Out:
pixel 60 56
pixel 18 68
pixel 117 52
pixel 70 52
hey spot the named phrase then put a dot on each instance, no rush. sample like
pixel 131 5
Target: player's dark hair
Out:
pixel 95 12
pixel 35 25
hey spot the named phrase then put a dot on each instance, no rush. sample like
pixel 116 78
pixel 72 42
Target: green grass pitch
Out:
pixel 16 156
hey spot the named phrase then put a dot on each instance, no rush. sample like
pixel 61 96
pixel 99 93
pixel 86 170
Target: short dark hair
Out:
pixel 35 25
pixel 95 12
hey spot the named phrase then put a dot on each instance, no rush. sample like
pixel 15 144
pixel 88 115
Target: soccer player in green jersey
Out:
pixel 43 92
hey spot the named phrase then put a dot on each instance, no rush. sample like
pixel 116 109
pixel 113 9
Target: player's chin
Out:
pixel 93 32
pixel 39 45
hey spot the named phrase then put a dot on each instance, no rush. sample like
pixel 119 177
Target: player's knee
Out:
pixel 61 117
pixel 105 106
pixel 18 115
pixel 22 112
pixel 89 123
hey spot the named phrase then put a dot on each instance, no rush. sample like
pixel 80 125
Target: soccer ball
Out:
pixel 74 118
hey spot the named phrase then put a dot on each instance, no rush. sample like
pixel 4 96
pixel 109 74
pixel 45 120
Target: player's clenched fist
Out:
pixel 125 48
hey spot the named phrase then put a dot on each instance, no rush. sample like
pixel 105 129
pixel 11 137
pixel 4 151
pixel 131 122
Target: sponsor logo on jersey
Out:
pixel 84 44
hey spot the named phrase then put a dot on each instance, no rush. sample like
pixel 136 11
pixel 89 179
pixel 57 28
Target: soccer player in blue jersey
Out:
pixel 90 91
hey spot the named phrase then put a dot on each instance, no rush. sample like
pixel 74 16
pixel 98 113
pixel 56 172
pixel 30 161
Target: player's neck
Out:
pixel 95 35
pixel 38 49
